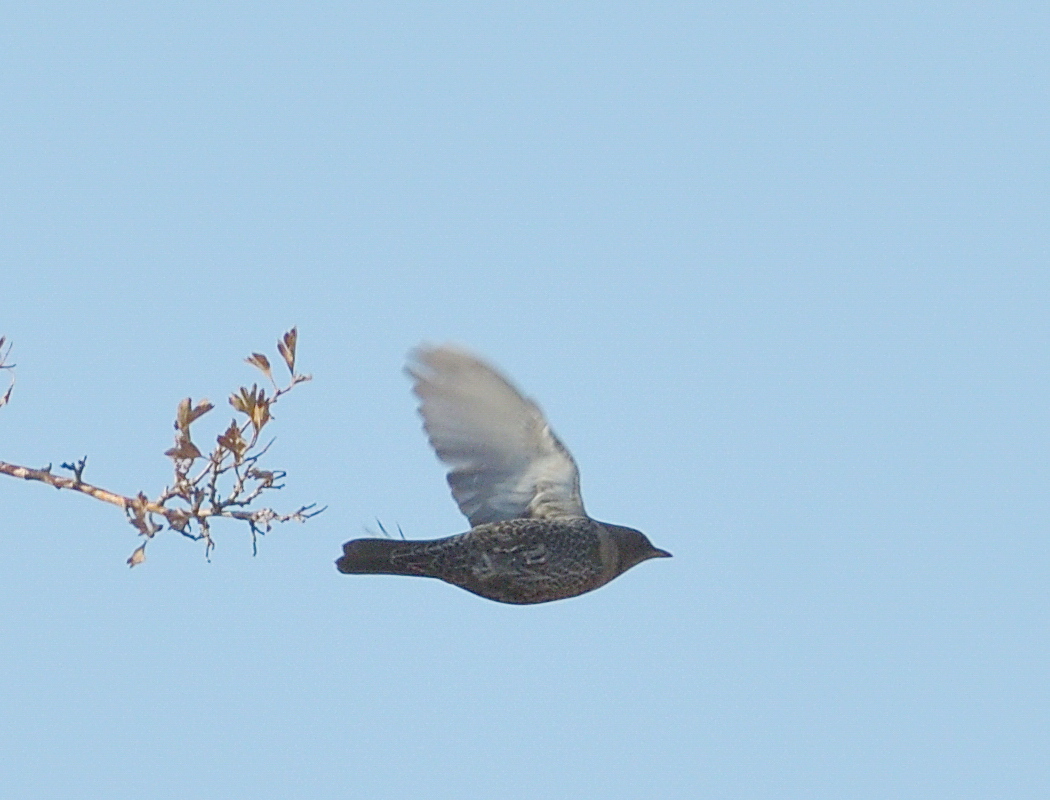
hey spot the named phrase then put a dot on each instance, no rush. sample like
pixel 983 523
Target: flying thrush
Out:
pixel 530 539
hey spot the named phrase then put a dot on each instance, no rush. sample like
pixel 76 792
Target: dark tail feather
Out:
pixel 371 557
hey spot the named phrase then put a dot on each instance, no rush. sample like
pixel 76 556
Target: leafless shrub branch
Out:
pixel 223 484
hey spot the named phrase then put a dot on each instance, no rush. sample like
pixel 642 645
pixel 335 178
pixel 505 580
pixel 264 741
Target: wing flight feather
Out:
pixel 504 460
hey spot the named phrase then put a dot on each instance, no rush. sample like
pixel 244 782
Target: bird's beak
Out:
pixel 658 553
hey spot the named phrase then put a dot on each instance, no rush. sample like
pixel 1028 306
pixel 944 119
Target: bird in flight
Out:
pixel 530 539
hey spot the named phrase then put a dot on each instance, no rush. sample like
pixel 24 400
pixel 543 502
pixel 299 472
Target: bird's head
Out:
pixel 633 547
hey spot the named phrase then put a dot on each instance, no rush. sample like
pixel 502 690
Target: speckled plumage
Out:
pixel 532 541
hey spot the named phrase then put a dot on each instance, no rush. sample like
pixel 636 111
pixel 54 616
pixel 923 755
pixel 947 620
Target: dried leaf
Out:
pixel 188 413
pixel 202 408
pixel 139 504
pixel 138 556
pixel 264 476
pixel 182 414
pixel 253 404
pixel 233 441
pixel 246 401
pixel 261 362
pixel 261 414
pixel 183 449
pixel 287 349
pixel 179 519
pixel 241 401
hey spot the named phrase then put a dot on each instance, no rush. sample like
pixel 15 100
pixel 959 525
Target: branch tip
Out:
pixel 228 481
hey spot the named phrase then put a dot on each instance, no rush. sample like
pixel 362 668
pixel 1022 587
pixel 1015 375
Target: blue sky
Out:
pixel 778 278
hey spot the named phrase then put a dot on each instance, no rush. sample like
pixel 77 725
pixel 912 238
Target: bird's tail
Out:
pixel 373 557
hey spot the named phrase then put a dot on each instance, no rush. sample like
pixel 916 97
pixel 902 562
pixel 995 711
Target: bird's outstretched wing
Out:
pixel 504 461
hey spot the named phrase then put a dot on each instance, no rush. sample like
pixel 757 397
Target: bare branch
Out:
pixel 45 476
pixel 227 484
